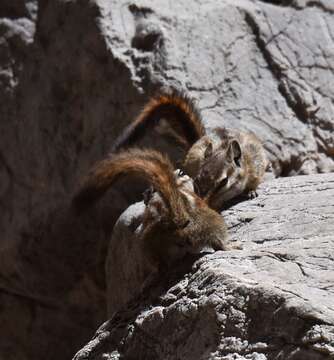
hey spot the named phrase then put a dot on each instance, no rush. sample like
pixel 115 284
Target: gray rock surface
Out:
pixel 272 300
pixel 74 73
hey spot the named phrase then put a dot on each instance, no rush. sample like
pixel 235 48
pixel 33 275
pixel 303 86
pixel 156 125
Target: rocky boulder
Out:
pixel 271 300
pixel 74 73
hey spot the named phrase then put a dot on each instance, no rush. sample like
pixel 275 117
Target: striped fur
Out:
pixel 148 164
pixel 177 108
pixel 175 220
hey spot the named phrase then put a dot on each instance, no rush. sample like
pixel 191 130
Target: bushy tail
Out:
pixel 148 164
pixel 176 108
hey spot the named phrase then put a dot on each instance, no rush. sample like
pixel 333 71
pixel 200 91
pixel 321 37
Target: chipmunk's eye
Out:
pixel 181 173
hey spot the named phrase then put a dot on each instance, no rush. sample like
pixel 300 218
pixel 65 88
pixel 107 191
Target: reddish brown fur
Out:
pixel 186 128
pixel 175 221
pixel 148 164
pixel 177 109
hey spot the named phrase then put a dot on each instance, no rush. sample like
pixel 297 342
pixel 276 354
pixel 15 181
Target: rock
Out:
pixel 74 73
pixel 17 29
pixel 271 300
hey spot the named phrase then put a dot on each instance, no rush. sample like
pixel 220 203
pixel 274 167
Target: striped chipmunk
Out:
pixel 175 220
pixel 225 164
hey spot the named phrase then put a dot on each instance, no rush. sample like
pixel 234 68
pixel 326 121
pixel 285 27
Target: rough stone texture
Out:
pixel 73 73
pixel 272 300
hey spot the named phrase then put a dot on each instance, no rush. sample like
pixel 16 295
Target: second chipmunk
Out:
pixel 224 164
pixel 175 220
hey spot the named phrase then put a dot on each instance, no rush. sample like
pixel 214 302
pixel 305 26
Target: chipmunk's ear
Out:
pixel 208 151
pixel 234 152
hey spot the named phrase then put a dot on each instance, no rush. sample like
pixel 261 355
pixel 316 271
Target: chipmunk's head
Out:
pixel 221 176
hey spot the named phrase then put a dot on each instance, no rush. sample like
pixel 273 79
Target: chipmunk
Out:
pixel 224 164
pixel 175 218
